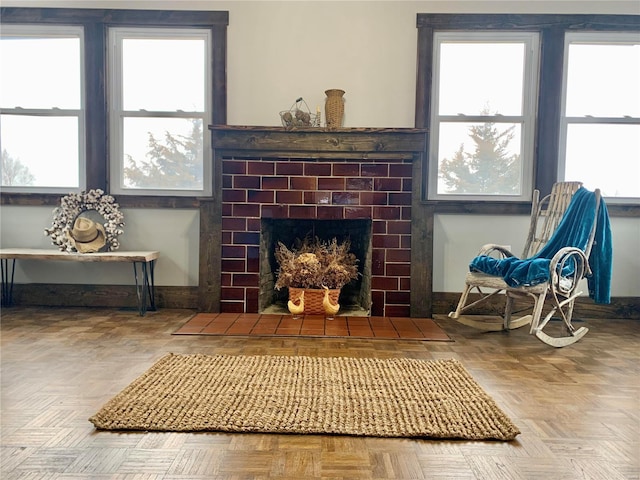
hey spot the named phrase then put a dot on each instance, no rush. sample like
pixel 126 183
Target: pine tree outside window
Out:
pixel 483 115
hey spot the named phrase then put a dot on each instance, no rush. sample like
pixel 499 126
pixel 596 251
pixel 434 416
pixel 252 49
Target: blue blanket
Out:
pixel 573 231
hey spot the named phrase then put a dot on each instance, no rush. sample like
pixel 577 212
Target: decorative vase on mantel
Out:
pixel 334 108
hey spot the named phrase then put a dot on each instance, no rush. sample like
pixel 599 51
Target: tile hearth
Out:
pixel 250 324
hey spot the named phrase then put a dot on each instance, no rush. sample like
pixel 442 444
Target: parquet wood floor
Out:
pixel 577 407
pixel 255 324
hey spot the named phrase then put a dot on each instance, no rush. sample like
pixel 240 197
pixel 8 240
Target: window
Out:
pixel 483 115
pixel 160 111
pixel 42 106
pixel 119 100
pixel 600 124
pixel 580 111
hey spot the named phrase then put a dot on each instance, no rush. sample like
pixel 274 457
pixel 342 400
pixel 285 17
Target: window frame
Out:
pixel 593 38
pixel 118 113
pixel 43 32
pixel 95 23
pixel 526 119
pixel 552 29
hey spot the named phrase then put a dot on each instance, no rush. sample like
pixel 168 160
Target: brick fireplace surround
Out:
pixel 270 173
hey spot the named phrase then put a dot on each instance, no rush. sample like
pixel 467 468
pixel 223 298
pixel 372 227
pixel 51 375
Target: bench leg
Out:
pixel 151 285
pixel 7 281
pixel 146 291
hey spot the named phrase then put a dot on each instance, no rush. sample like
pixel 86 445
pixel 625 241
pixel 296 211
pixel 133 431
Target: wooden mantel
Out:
pixel 319 142
pixel 360 144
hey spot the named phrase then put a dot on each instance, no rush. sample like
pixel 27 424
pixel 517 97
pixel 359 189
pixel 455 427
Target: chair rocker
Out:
pixel 567 267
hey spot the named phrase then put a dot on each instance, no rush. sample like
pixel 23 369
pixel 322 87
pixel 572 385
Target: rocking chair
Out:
pixel 558 254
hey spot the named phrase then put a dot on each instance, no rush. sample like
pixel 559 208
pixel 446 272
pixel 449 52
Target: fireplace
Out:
pixel 273 184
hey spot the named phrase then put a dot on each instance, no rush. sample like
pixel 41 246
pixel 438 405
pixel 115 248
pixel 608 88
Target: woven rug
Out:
pixel 298 394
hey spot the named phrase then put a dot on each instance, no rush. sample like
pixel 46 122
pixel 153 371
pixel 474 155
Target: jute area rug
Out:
pixel 298 394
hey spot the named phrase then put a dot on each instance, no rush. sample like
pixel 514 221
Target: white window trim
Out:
pixel 116 113
pixel 592 38
pixel 51 31
pixel 527 119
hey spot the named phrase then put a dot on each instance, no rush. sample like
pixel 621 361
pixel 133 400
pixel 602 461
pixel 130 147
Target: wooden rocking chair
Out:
pixel 566 268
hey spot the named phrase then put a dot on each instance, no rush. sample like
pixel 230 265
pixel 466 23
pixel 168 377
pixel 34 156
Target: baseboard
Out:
pixel 124 296
pixel 115 296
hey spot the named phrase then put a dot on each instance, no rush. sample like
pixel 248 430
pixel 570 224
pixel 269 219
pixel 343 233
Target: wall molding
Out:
pixel 124 296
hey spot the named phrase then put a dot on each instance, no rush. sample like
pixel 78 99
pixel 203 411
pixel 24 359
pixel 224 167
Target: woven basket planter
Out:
pixel 313 298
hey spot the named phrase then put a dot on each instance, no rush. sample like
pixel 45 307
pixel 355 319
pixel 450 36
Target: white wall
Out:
pixel 457 239
pixel 278 51
pixel 171 231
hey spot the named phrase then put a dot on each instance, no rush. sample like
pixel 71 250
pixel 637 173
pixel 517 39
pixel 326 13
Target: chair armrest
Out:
pixel 567 267
pixel 492 248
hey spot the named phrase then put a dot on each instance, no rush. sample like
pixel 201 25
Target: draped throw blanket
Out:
pixel 573 231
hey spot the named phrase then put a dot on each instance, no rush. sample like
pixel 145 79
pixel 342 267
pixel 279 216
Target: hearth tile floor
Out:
pixel 255 324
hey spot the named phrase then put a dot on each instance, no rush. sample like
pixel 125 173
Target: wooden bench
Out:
pixel 143 265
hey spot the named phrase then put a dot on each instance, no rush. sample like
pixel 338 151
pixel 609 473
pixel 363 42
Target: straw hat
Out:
pixel 87 235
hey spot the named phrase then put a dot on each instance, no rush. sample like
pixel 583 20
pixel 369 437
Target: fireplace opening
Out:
pixel 355 297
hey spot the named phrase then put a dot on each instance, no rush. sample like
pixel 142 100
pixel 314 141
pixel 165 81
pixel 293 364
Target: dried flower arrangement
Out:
pixel 316 264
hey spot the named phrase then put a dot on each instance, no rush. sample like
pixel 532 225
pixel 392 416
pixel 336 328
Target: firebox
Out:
pixel 355 297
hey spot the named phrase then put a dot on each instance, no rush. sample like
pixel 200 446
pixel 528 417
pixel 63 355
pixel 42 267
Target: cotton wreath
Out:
pixel 73 205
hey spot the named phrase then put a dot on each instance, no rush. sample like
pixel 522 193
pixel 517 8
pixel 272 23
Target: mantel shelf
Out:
pixel 361 130
pixel 402 142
